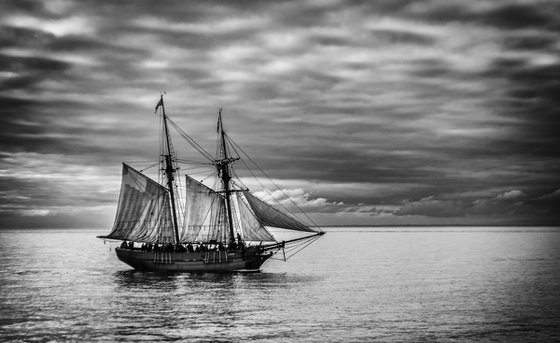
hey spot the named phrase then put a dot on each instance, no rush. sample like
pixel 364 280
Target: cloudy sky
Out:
pixel 364 112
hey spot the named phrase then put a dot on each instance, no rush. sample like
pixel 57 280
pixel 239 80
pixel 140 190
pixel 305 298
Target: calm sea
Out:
pixel 424 284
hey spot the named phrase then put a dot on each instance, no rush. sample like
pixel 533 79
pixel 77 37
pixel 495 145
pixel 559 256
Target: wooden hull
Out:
pixel 205 261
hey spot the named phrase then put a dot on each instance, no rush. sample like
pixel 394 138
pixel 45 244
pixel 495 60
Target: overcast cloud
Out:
pixel 364 112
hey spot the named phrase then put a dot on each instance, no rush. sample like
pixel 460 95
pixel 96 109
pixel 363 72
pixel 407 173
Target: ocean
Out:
pixel 355 284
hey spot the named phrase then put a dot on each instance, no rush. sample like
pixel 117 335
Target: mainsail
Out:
pixel 204 214
pixel 144 212
pixel 205 217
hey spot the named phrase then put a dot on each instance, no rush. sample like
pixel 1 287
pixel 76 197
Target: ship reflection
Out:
pixel 199 306
pixel 130 279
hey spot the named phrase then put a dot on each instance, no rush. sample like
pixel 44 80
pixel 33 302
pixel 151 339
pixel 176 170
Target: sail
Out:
pixel 205 217
pixel 251 228
pixel 269 216
pixel 205 214
pixel 144 212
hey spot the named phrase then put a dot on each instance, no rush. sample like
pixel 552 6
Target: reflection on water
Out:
pixel 201 304
pixel 353 285
pixel 130 279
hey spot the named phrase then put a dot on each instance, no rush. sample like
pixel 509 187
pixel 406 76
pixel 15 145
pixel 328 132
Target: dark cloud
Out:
pixel 433 67
pixel 433 208
pixel 499 14
pixel 404 37
pixel 520 16
pixel 88 45
pixel 532 100
pixel 520 208
pixel 531 41
pixel 23 6
pixel 23 37
pixel 19 82
pixel 42 65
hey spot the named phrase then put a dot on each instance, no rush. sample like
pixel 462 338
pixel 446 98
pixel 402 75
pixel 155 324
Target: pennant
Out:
pixel 160 103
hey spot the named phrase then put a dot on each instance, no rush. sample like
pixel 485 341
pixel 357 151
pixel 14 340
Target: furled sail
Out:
pixel 205 216
pixel 269 216
pixel 144 212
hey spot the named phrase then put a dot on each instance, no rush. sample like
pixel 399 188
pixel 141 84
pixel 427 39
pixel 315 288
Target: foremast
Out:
pixel 224 172
pixel 169 170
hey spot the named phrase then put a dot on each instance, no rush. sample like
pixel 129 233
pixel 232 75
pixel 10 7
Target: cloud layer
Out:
pixel 385 112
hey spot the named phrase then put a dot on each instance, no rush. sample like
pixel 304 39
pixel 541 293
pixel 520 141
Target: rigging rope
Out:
pixel 234 146
pixel 301 246
pixel 191 141
pixel 150 166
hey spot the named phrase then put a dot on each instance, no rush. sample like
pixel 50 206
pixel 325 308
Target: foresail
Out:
pixel 204 214
pixel 269 216
pixel 251 228
pixel 143 213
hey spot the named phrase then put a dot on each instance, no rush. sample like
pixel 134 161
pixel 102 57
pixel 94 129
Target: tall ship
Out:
pixel 183 224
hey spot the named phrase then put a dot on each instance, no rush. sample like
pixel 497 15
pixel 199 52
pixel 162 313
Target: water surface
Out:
pixel 389 284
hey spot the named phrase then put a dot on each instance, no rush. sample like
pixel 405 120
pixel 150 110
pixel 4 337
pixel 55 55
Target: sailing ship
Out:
pixel 217 228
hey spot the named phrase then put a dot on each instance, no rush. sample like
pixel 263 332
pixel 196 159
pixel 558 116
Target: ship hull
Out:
pixel 204 261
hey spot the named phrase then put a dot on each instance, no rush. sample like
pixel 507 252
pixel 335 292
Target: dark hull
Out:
pixel 206 261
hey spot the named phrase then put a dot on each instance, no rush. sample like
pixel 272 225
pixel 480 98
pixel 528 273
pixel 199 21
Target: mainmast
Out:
pixel 224 173
pixel 169 171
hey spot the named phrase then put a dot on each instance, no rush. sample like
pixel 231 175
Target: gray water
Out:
pixel 425 284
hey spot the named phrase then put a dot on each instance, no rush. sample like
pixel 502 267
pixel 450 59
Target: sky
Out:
pixel 393 112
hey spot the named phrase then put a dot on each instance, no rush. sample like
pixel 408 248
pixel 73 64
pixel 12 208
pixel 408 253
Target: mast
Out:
pixel 170 171
pixel 224 172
